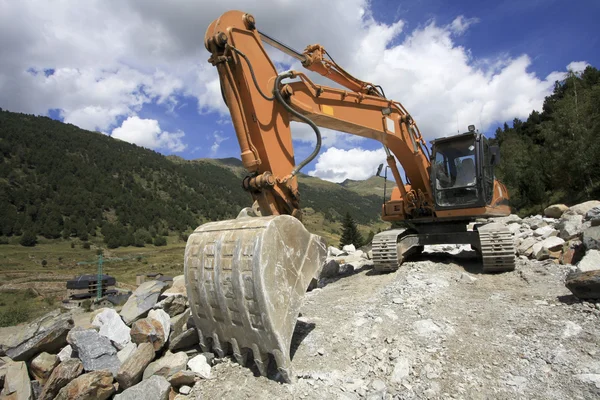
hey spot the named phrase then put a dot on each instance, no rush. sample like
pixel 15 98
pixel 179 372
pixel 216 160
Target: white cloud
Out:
pixel 219 138
pixel 577 66
pixel 147 133
pixel 336 165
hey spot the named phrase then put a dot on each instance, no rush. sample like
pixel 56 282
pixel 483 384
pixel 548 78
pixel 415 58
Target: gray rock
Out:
pixel 544 249
pixel 48 333
pixel 95 351
pixel 126 352
pixel 185 389
pixel 64 373
pixel 185 340
pixel 96 385
pixel 593 216
pixel 583 208
pixel 570 226
pixel 179 324
pixel 330 269
pixel 535 222
pixel 132 369
pixel 591 238
pixel 65 353
pixel 514 228
pixel 164 319
pixel 112 326
pixel 555 210
pixel 167 366
pixel 545 232
pixel 589 262
pixel 200 366
pixel 36 389
pixel 142 300
pixel 401 370
pixel 526 247
pixel 42 366
pixel 173 305
pixel 16 382
pixel 154 388
pixel 510 219
pixel 466 278
pixel 585 285
pixel 182 378
pixel 178 287
pixel 349 248
pixel 333 252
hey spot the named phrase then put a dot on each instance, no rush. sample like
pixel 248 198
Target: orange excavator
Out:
pixel 246 277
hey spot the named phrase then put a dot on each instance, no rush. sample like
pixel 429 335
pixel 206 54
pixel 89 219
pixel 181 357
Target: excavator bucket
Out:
pixel 245 280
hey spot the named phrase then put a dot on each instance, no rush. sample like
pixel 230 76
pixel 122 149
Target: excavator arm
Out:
pixel 262 104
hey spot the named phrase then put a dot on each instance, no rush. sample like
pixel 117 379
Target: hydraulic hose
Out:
pixel 252 73
pixel 280 99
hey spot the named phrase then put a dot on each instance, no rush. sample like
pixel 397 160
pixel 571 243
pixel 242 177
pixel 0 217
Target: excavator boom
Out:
pixel 246 277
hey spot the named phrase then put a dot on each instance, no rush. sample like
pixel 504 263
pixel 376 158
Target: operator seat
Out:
pixel 466 173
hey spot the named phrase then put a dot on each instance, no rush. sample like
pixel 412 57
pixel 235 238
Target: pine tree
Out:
pixel 350 233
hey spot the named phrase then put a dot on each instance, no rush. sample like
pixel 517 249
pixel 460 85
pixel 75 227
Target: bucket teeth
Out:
pixel 245 280
pixel 260 359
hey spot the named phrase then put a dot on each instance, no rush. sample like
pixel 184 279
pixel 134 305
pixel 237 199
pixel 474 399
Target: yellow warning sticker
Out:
pixel 327 109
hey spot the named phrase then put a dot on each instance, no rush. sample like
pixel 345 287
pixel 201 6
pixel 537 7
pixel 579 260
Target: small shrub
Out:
pixel 15 314
pixel 87 305
pixel 29 239
pixel 3 240
pixel 160 241
pixel 72 245
pixel 44 263
pixel 86 245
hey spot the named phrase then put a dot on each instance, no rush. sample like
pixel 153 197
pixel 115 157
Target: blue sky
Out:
pixel 138 70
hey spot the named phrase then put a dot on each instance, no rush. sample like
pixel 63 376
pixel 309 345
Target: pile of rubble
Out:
pixel 150 350
pixel 565 235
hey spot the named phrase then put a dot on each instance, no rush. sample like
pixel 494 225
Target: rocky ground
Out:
pixel 437 328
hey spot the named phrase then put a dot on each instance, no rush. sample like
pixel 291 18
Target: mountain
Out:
pixel 57 180
pixel 371 186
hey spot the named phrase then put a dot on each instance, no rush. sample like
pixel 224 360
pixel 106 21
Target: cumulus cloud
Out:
pixel 336 165
pixel 147 133
pixel 577 66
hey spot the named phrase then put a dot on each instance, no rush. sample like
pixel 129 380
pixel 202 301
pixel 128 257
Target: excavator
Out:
pixel 246 277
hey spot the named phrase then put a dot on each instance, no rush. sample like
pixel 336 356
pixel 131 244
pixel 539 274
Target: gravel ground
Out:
pixel 436 328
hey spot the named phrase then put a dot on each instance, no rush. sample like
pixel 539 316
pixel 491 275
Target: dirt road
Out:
pixel 436 329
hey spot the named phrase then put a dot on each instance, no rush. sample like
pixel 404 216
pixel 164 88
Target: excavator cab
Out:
pixel 462 171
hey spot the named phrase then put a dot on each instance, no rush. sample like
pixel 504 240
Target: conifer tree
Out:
pixel 350 233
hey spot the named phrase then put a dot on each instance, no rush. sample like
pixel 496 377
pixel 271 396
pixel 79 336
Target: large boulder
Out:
pixel 330 269
pixel 132 369
pixel 64 373
pixel 16 382
pixel 148 330
pixel 573 252
pixel 570 226
pixel 164 319
pixel 509 219
pixel 112 326
pixel 179 324
pixel 142 300
pixel 591 238
pixel 349 248
pixel 545 232
pixel 42 366
pixel 96 352
pixel 96 385
pixel 173 305
pixel 126 352
pixel 154 388
pixel 535 222
pixel 178 287
pixel 182 378
pixel 334 252
pixel 555 210
pixel 48 333
pixel 583 208
pixel 585 285
pixel 590 262
pixel 167 366
pixel 593 216
pixel 548 248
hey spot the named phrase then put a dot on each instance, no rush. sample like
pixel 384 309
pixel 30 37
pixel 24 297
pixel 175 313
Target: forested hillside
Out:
pixel 554 156
pixel 57 180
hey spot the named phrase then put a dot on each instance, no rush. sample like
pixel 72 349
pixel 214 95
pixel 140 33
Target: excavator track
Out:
pixel 385 251
pixel 497 248
pixel 245 280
